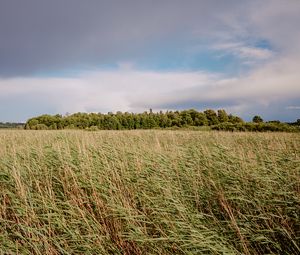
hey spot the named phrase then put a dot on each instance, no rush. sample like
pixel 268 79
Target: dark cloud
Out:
pixel 61 47
pixel 41 35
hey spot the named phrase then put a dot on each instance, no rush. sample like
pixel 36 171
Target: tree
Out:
pixel 164 121
pixel 186 119
pixel 211 117
pixel 113 123
pixel 222 116
pixel 257 119
pixel 144 120
pixel 200 119
pixel 234 119
pixel 31 123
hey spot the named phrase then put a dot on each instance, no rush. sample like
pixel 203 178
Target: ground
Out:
pixel 149 192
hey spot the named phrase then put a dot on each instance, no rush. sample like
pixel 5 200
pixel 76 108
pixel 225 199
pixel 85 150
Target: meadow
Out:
pixel 149 192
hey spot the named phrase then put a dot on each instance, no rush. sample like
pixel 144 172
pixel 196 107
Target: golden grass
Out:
pixel 149 192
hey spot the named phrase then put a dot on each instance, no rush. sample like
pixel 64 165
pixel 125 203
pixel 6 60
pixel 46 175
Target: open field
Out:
pixel 149 192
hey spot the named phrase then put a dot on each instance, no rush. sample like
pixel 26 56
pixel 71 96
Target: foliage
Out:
pixel 118 121
pixel 12 125
pixel 257 119
pixel 219 120
pixel 256 127
pixel 222 116
pixel 149 192
pixel 211 116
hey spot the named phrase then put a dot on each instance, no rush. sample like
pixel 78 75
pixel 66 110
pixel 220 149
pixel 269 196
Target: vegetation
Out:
pixel 219 120
pixel 257 127
pixel 110 121
pixel 12 125
pixel 149 192
pixel 257 119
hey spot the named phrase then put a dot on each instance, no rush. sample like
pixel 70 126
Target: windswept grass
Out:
pixel 149 192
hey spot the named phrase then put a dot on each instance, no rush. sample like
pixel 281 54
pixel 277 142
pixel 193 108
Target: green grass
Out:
pixel 149 192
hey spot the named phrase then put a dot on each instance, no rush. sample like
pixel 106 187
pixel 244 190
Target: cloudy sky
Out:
pixel 59 56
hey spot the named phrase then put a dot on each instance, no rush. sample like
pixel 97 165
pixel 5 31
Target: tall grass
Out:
pixel 149 192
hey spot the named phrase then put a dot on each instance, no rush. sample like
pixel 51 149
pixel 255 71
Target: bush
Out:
pixel 256 127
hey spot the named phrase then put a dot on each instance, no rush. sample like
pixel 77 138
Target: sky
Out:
pixel 65 56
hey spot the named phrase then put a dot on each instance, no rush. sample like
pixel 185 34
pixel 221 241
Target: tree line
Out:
pixel 12 125
pixel 216 120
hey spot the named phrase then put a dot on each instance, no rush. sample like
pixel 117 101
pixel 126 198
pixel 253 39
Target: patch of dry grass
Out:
pixel 149 192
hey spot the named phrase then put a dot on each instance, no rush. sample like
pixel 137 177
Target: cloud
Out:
pixel 251 52
pixel 243 51
pixel 49 37
pixel 136 90
pixel 46 36
pixel 97 91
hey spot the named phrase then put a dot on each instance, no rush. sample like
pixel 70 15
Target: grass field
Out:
pixel 149 192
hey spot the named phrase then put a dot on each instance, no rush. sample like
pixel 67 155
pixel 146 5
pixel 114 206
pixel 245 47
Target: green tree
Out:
pixel 222 116
pixel 200 119
pixel 212 117
pixel 186 119
pixel 234 119
pixel 31 123
pixel 164 121
pixel 257 119
pixel 113 123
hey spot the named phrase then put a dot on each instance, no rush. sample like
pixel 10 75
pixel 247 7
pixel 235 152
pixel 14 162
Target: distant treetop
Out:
pixel 216 120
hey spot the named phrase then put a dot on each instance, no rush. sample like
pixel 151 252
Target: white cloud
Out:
pixel 252 52
pixel 133 90
pixel 102 90
pixel 241 50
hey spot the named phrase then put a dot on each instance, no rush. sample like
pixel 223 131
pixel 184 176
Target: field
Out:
pixel 149 192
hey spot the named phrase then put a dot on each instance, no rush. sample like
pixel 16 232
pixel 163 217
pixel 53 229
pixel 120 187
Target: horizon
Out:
pixel 130 56
pixel 149 111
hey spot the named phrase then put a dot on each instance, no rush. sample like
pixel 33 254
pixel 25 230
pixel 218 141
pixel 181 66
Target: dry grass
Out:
pixel 149 192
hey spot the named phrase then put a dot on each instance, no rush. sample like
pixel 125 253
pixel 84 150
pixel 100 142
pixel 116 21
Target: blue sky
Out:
pixel 63 56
